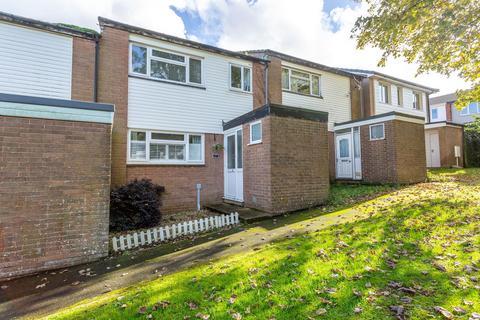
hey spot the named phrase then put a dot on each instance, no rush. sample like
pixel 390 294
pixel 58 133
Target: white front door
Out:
pixel 344 163
pixel 234 165
pixel 432 146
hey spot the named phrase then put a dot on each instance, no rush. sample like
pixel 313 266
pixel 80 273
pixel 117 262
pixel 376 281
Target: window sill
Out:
pixel 254 143
pixel 201 87
pixel 240 91
pixel 379 139
pixel 303 94
pixel 164 164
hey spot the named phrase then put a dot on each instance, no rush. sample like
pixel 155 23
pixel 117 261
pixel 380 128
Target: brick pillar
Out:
pixel 83 69
pixel 113 88
pixel 355 99
pixel 258 85
pixel 275 80
pixel 448 111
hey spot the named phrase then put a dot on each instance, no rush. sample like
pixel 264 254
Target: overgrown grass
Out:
pixel 410 251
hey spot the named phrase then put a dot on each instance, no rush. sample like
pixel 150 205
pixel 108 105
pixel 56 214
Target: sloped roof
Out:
pixel 172 39
pixel 369 73
pixel 451 97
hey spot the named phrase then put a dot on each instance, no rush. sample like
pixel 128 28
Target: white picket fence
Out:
pixel 129 241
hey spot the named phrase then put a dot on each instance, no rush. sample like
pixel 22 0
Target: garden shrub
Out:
pixel 472 143
pixel 135 205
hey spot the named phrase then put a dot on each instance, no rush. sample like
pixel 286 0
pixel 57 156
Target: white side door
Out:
pixel 344 163
pixel 432 146
pixel 234 165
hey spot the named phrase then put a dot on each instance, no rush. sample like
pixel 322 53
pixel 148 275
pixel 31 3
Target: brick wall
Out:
pixel 448 138
pixel 54 191
pixel 258 85
pixel 332 155
pixel 275 80
pixel 399 158
pixel 113 88
pixel 287 171
pixel 180 180
pixel 355 99
pixel 83 69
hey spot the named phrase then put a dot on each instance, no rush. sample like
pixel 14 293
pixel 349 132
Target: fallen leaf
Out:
pixel 321 312
pixel 142 310
pixel 444 312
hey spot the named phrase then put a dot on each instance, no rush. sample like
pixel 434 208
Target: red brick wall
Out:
pixel 180 180
pixel 258 85
pixel 257 168
pixel 287 171
pixel 54 191
pixel 448 138
pixel 275 80
pixel 83 69
pixel 332 155
pixel 113 88
pixel 399 158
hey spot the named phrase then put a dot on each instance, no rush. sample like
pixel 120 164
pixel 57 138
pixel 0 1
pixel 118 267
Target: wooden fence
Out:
pixel 161 234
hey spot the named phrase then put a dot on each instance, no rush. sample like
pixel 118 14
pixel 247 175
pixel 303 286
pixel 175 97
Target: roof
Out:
pixel 451 97
pixel 300 61
pixel 52 27
pixel 370 73
pixel 279 111
pixel 105 22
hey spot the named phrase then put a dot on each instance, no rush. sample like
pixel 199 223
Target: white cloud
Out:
pixel 301 28
pixel 151 14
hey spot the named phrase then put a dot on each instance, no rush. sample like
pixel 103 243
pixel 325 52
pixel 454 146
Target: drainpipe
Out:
pixel 95 79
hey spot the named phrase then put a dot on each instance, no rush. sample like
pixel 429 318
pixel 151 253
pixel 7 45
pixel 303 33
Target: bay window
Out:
pixel 240 78
pixel 146 146
pixel 301 82
pixel 165 65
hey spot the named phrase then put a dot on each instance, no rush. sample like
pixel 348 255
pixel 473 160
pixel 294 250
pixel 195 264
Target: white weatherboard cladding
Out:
pixel 164 106
pixel 335 91
pixel 406 107
pixel 35 63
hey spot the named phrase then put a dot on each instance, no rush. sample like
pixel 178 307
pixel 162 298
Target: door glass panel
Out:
pixel 239 149
pixel 344 148
pixel 231 152
pixel 356 143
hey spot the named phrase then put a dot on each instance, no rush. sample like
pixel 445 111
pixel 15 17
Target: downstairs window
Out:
pixel 147 146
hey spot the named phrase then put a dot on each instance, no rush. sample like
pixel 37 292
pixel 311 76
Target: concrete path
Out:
pixel 65 287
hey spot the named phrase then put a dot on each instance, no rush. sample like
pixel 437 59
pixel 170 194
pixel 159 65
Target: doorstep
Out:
pixel 245 214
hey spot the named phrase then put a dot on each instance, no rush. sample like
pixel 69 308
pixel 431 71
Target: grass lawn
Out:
pixel 409 252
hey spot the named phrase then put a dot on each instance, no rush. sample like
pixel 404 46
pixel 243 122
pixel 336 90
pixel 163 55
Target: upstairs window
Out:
pixel 472 108
pixel 383 95
pixel 169 148
pixel 301 82
pixel 165 65
pixel 435 114
pixel 240 78
pixel 399 96
pixel 417 101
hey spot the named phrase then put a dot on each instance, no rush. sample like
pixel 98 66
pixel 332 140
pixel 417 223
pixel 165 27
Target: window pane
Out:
pixel 195 147
pixel 285 79
pixel 239 149
pixel 168 55
pixel 195 73
pixel 137 150
pixel 472 108
pixel 158 151
pixel 139 59
pixel 169 71
pixel 344 148
pixel 300 85
pixel 137 136
pixel 231 152
pixel 399 96
pixel 376 132
pixel 434 113
pixel 316 85
pixel 464 111
pixel 176 151
pixel 256 132
pixel 356 143
pixel 167 136
pixel 246 79
pixel 298 74
pixel 236 77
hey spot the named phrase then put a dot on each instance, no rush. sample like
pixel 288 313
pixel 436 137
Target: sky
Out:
pixel 316 30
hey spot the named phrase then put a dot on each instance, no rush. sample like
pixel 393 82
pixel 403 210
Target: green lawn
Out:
pixel 410 251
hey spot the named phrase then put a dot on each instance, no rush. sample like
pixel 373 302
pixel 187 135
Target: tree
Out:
pixel 438 35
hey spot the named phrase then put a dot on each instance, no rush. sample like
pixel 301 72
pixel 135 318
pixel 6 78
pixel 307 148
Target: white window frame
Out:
pixel 185 142
pixel 399 96
pixel 261 132
pixel 384 96
pixel 150 57
pixel 431 114
pixel 242 67
pixel 310 75
pixel 420 97
pixel 467 110
pixel 376 125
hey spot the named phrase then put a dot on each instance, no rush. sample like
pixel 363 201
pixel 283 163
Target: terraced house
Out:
pixel 259 129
